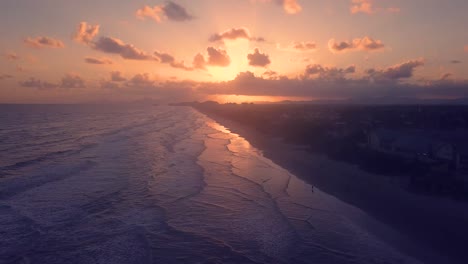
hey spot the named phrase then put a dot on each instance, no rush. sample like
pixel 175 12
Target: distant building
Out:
pixel 408 144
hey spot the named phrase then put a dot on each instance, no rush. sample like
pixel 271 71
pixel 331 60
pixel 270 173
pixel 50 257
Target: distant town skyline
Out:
pixel 232 50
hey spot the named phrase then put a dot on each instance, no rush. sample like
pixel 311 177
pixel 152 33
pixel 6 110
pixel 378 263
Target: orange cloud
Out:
pixel 299 47
pixel 85 33
pixel 363 44
pixel 216 57
pixel 169 10
pixel 11 56
pixel 43 42
pixel 367 7
pixel 199 62
pixel 258 59
pixel 466 48
pixel 290 6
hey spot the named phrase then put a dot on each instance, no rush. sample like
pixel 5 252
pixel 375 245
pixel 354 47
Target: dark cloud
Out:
pixel 363 44
pixel 38 84
pixel 396 72
pixel 233 34
pixel 329 73
pixel 258 59
pixel 176 12
pixel 85 33
pixel 5 76
pixel 72 81
pixel 166 58
pixel 117 46
pixel 116 76
pixel 101 61
pixel 43 42
pixel 304 46
pixel 455 61
pixel 141 80
pixel 218 57
pixel 169 10
pixel 248 84
pixel 270 74
pixel 109 85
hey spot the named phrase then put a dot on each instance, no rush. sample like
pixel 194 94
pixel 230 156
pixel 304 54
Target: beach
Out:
pixel 435 227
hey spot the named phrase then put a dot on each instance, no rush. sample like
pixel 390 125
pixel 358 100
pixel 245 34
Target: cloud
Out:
pixel 38 84
pixel 455 61
pixel 400 71
pixel 43 42
pixel 299 47
pixel 218 57
pixel 329 73
pixel 141 80
pixel 109 85
pixel 445 76
pixel 5 76
pixel 361 90
pixel 72 80
pixel 363 44
pixel 86 33
pixel 117 46
pixel 101 61
pixel 199 62
pixel 304 46
pixel 466 48
pixel 11 56
pixel 169 10
pixel 367 7
pixel 116 76
pixel 166 58
pixel 290 6
pixel 258 59
pixel 270 74
pixel 233 34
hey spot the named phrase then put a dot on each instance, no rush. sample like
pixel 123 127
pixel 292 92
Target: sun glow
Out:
pixel 237 51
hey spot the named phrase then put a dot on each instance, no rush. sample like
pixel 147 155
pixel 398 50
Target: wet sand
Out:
pixel 433 229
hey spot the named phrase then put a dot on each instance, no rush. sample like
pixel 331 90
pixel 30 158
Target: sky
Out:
pixel 64 51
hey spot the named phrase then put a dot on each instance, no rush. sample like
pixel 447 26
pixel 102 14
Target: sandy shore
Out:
pixel 436 228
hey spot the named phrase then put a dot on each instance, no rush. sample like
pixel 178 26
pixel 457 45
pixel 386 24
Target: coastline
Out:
pixel 437 224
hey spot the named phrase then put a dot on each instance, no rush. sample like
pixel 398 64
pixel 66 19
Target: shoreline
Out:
pixel 429 223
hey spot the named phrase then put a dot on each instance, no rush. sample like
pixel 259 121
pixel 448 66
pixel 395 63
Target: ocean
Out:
pixel 159 184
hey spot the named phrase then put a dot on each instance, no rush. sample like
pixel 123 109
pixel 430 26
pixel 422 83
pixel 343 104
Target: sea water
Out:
pixel 160 184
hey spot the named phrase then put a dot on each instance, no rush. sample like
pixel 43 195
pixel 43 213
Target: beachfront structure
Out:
pixel 409 144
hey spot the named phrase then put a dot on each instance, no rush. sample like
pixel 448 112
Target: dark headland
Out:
pixel 407 166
